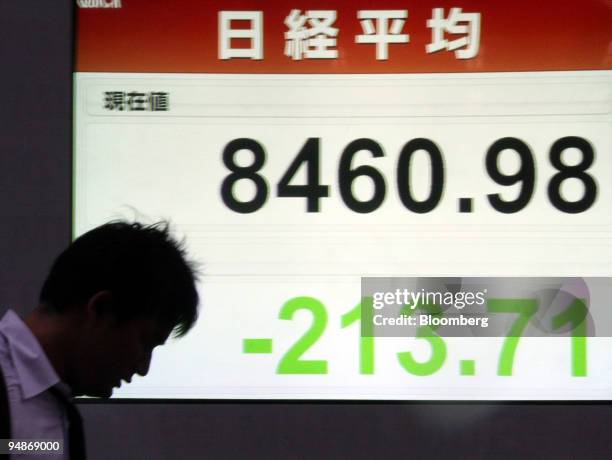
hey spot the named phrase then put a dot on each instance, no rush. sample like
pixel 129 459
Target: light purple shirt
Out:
pixel 35 412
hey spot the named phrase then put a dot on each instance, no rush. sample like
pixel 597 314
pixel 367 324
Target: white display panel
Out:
pixel 169 164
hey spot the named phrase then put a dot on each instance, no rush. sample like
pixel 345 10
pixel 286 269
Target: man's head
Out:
pixel 123 288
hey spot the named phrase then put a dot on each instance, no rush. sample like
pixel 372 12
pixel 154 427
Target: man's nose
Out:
pixel 143 365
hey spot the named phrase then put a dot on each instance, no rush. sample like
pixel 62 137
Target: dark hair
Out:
pixel 142 266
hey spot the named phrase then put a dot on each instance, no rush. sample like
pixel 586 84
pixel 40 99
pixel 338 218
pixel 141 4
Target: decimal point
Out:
pixel 465 205
pixel 467 367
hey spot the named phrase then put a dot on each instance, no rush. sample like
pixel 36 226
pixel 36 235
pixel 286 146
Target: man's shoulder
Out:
pixel 4 343
pixel 9 321
pixel 24 358
pixel 4 337
pixel 7 316
pixel 6 365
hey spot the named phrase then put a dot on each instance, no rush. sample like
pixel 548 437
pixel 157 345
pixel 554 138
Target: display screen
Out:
pixel 304 150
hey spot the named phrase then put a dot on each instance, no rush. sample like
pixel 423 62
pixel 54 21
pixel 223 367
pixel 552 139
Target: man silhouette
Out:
pixel 110 298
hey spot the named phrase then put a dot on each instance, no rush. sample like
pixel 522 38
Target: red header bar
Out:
pixel 327 36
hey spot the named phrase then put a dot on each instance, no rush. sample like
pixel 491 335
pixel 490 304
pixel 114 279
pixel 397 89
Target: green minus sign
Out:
pixel 257 346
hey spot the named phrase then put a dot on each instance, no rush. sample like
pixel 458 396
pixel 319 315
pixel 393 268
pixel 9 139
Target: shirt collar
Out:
pixel 35 372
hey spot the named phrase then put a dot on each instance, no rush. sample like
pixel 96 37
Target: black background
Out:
pixel 35 202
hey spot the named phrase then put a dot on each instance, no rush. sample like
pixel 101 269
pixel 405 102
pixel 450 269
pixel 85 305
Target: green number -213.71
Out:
pixel 524 309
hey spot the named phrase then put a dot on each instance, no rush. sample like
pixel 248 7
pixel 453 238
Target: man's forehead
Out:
pixel 163 331
pixel 155 327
